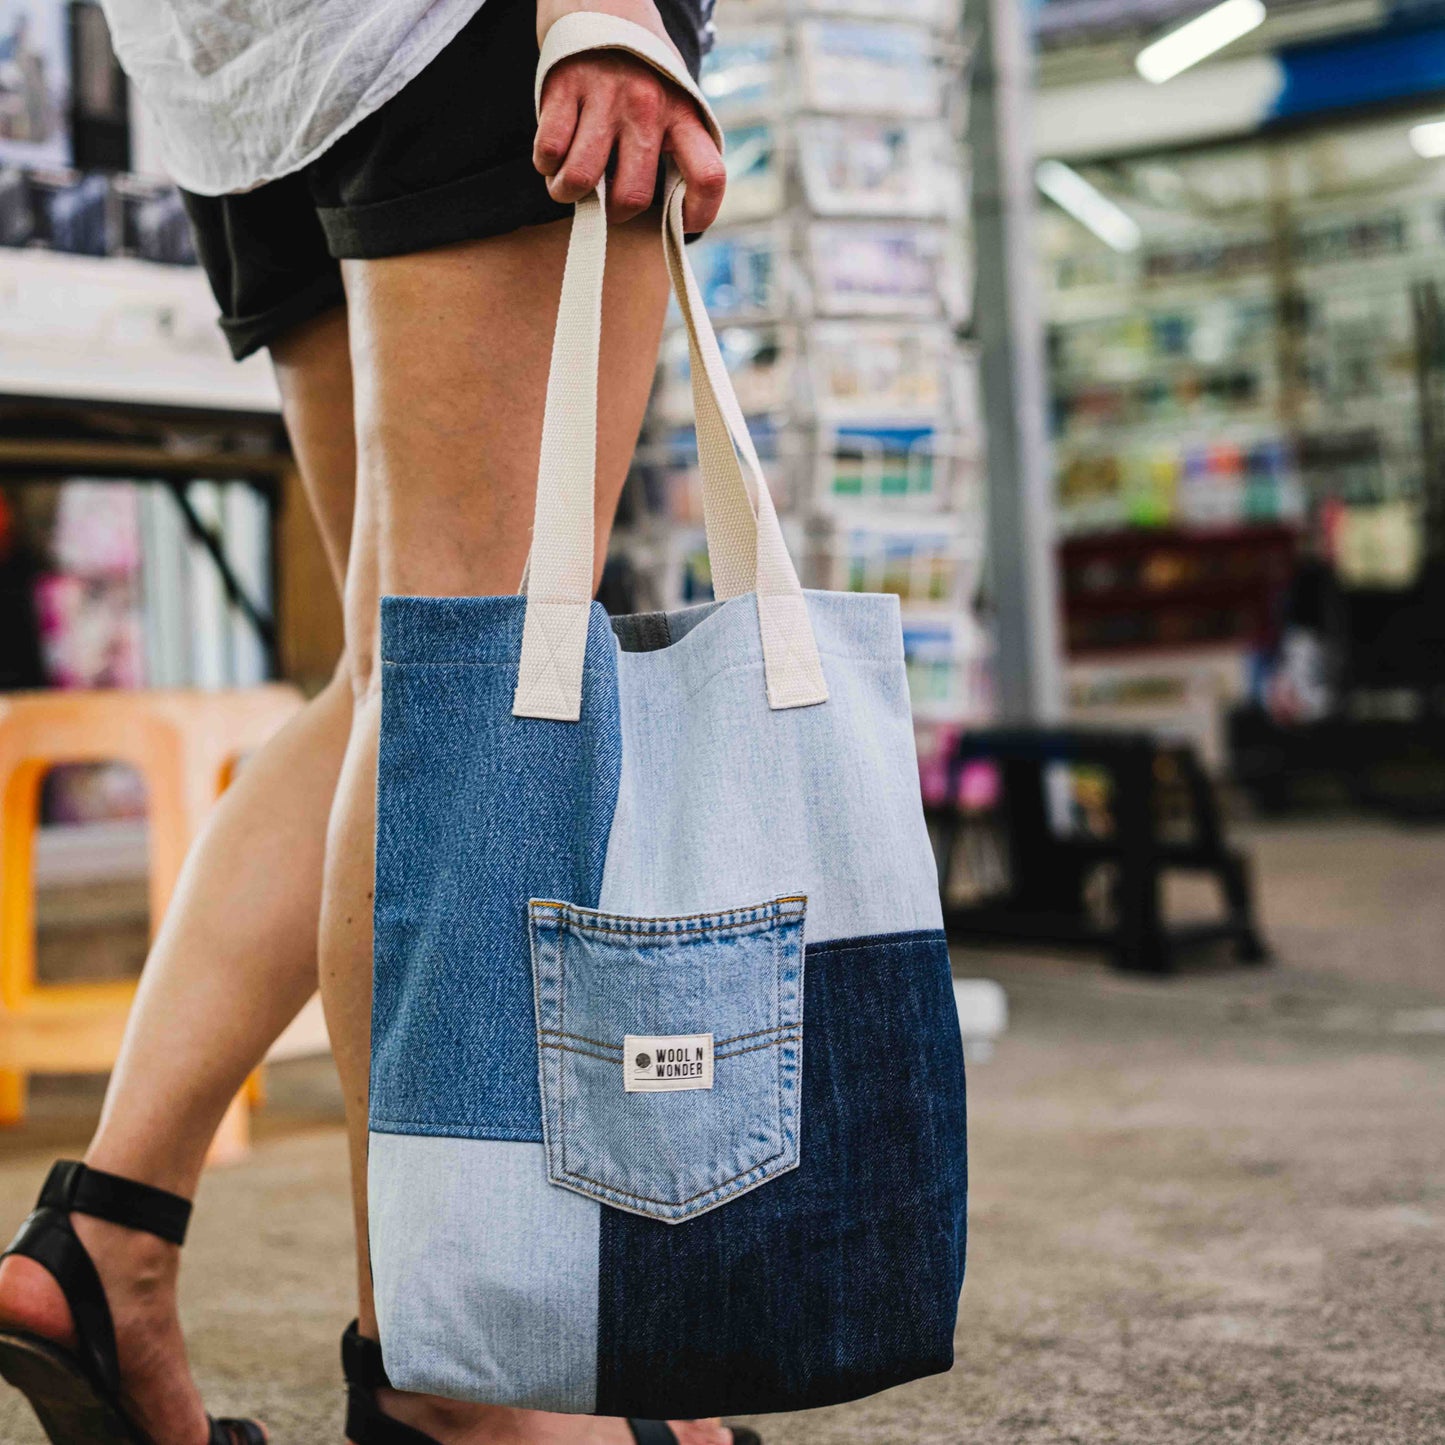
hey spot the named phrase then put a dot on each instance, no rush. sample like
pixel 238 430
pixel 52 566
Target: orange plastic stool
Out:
pixel 185 745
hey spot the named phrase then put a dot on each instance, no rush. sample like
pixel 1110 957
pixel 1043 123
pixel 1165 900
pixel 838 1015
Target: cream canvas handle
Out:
pixel 745 540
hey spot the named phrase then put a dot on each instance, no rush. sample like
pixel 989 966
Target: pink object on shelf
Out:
pixel 97 530
pixel 980 789
pixel 90 632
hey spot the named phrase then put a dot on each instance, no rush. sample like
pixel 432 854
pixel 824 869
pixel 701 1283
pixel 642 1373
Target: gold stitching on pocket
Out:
pixel 581 918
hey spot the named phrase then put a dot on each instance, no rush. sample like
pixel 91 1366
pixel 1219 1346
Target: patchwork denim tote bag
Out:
pixel 667 1096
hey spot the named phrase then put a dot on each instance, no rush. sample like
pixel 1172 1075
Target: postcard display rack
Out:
pixel 839 276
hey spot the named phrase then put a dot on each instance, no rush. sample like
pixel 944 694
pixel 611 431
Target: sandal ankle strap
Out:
pixel 361 1362
pixel 73 1187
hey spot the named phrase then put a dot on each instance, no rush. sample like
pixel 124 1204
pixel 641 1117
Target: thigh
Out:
pixel 450 350
pixel 313 372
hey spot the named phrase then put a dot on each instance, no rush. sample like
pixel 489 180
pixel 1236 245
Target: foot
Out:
pixel 139 1274
pixel 454 1423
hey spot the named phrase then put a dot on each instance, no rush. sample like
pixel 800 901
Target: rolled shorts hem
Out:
pixel 248 334
pixel 492 202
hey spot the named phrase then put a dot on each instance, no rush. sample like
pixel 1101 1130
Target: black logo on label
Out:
pixel 644 1061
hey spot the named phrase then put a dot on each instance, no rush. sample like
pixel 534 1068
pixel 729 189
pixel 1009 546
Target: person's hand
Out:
pixel 606 102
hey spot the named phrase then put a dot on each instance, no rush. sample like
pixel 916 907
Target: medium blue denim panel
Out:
pixel 724 801
pixel 736 978
pixel 477 812
pixel 842 1277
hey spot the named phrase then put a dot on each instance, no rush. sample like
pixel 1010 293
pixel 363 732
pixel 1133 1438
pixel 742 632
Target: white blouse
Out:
pixel 244 91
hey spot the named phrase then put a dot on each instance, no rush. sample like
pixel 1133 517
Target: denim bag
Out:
pixel 667 1096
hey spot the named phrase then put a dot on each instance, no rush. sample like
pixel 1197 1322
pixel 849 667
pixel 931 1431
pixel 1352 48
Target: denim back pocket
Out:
pixel 671 1052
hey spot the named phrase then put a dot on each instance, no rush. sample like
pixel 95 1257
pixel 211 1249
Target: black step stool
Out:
pixel 1050 891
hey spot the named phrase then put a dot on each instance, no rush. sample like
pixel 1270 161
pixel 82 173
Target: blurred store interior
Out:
pixel 1109 335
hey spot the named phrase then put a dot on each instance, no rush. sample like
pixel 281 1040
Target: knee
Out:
pixel 359 672
pixel 359 669
pixel 354 679
pixel 356 673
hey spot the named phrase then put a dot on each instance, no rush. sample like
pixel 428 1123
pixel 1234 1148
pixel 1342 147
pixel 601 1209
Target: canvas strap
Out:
pixel 745 540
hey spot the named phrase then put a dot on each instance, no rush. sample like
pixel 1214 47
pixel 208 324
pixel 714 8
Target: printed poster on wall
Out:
pixel 34 83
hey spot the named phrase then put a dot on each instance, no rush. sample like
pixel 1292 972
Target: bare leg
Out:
pixel 450 377
pixel 233 962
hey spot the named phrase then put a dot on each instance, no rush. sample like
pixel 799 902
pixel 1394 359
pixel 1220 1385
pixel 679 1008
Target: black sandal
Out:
pixel 76 1393
pixel 366 1425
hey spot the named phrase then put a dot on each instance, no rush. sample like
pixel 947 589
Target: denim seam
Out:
pixel 794 1034
pixel 536 946
pixel 758 1033
pixel 454 1129
pixel 561 1077
pixel 678 1203
pixel 617 1048
pixel 467 662
pixel 624 1204
pixel 893 940
pixel 585 1053
pixel 776 910
pixel 771 1044
pixel 867 659
pixel 669 935
pixel 574 1038
pixel 749 910
pixel 777 1014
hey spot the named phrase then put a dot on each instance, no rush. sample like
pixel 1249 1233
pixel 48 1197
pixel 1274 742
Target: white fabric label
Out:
pixel 653 1064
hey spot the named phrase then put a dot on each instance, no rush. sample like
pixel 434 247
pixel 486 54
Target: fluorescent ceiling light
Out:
pixel 1089 206
pixel 1174 53
pixel 1429 139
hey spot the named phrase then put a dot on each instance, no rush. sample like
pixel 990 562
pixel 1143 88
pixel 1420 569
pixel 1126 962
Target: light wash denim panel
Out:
pixel 736 978
pixel 485 1274
pixel 723 801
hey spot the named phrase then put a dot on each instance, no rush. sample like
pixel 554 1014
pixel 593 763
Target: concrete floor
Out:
pixel 1211 1209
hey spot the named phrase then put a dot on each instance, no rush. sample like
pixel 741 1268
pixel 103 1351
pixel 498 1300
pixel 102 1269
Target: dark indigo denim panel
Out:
pixel 842 1277
pixel 477 812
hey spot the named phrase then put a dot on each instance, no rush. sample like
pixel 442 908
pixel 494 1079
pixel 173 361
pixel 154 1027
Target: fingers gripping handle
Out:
pixel 745 540
pixel 585 30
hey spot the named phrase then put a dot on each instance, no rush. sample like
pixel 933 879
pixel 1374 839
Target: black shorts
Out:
pixel 449 158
